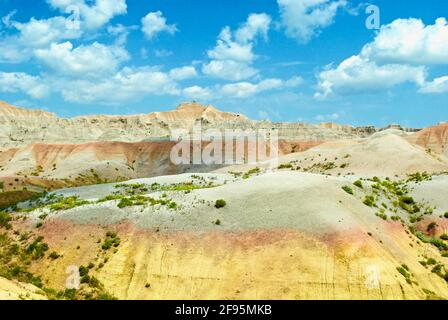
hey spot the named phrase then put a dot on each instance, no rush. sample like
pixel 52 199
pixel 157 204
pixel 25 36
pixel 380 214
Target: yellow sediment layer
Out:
pixel 275 264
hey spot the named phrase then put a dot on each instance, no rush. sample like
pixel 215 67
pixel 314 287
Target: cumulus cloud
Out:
pixel 438 85
pixel 232 57
pixel 240 90
pixel 401 52
pixel 197 93
pixel 256 25
pixel 358 75
pixel 13 82
pixel 91 60
pixel 229 70
pixel 410 41
pixel 34 34
pixel 92 16
pixel 127 85
pixel 304 19
pixel 183 73
pixel 154 23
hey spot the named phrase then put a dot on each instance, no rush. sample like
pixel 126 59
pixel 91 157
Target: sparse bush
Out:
pixel 369 201
pixel 285 166
pixel 444 237
pixel 112 240
pixel 431 227
pixel 348 189
pixel 5 219
pixel 405 273
pixel 382 215
pixel 54 255
pixel 358 183
pixel 220 204
pixel 172 205
pixel 125 202
pixel 68 203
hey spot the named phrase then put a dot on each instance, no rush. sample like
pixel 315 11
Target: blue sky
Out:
pixel 283 60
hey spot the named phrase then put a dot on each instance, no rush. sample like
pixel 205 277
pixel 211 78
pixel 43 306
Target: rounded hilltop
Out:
pixel 192 111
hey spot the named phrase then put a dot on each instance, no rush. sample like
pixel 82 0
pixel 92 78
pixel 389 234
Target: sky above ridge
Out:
pixel 282 60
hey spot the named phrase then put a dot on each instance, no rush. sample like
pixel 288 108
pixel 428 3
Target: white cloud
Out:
pixel 93 16
pixel 438 85
pixel 92 60
pixel 197 93
pixel 233 56
pixel 358 75
pixel 121 32
pixel 304 19
pixel 256 25
pixel 154 23
pixel 227 49
pixel 409 41
pixel 229 70
pixel 127 85
pixel 40 33
pixel 34 34
pixel 401 52
pixel 183 73
pixel 247 89
pixel 13 82
pixel 240 90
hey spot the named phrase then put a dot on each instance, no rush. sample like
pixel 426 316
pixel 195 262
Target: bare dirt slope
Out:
pixel 434 139
pixel 12 290
pixel 385 154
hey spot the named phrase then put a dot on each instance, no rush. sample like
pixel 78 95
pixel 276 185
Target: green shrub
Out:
pixel 285 166
pixel 37 248
pixel 358 183
pixel 220 203
pixel 54 255
pixel 5 219
pixel 348 189
pixel 431 227
pixel 446 215
pixel 444 237
pixel 112 240
pixel 172 205
pixel 382 216
pixel 68 203
pixel 407 200
pixel 369 201
pixel 125 202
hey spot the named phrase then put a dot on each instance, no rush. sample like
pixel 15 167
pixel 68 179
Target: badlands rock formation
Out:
pixel 21 127
pixel 43 150
pixel 346 213
pixel 433 138
pixel 282 235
